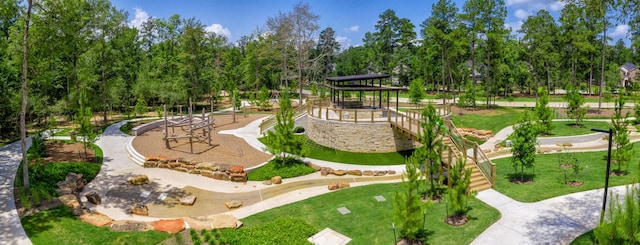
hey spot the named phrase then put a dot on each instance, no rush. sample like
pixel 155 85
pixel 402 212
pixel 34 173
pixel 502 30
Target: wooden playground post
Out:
pixel 166 128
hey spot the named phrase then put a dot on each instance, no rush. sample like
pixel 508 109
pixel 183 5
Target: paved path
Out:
pixel 556 220
pixel 11 231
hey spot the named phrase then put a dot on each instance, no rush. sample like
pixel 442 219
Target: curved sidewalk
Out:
pixel 11 231
pixel 555 220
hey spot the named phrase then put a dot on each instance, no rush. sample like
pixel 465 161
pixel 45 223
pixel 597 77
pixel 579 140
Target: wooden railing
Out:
pixel 487 168
pixel 324 110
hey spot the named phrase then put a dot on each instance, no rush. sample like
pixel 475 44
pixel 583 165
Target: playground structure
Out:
pixel 190 124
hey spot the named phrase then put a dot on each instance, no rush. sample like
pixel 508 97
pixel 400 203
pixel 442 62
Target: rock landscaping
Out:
pixel 207 169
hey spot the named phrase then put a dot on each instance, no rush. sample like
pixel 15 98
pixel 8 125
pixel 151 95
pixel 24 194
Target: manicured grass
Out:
pixel 59 226
pixel 320 152
pixel 63 132
pixel 370 221
pixel 566 128
pixel 494 119
pixel 271 169
pixel 549 178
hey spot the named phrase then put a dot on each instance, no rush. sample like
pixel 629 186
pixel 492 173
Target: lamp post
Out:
pixel 606 178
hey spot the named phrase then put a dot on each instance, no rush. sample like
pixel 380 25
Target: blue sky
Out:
pixel 351 19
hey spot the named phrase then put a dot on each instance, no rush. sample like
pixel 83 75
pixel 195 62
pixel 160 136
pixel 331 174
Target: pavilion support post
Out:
pixel 166 128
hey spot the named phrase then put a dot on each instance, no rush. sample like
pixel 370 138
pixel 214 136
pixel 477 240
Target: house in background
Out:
pixel 628 71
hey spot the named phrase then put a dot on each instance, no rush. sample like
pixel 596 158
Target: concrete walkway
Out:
pixel 11 231
pixel 557 221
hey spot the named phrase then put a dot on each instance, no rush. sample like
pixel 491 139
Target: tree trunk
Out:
pixel 23 111
pixel 604 42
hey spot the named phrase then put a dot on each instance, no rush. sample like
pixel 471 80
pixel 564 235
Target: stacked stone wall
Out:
pixel 374 137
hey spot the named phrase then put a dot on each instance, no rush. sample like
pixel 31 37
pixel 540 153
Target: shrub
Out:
pixel 273 168
pixel 298 129
pixel 37 149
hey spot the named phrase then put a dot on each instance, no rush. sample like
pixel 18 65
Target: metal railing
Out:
pixel 270 121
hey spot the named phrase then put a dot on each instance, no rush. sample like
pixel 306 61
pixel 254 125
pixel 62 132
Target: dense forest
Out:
pixel 82 54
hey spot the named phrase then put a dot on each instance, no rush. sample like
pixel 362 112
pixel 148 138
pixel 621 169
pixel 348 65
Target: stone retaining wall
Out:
pixel 357 137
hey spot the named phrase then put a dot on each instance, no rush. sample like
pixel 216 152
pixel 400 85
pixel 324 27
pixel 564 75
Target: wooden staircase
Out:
pixel 478 181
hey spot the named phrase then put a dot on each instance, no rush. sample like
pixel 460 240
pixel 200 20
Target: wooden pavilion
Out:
pixel 361 84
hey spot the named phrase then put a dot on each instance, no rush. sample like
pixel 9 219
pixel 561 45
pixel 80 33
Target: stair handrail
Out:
pixel 270 121
pixel 479 157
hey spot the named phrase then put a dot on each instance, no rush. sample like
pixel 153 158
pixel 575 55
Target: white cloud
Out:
pixel 535 5
pixel 354 28
pixel 344 42
pixel 139 18
pixel 557 5
pixel 521 14
pixel 515 26
pixel 620 31
pixel 219 29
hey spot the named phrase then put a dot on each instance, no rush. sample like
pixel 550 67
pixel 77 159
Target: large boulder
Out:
pixel 175 164
pixel 339 172
pixel 140 209
pixel 211 166
pixel 233 204
pixel 324 171
pixel 367 173
pixel 222 221
pixel 93 198
pixel 96 218
pixel 236 169
pixel 206 173
pixel 221 176
pixel 188 200
pixel 171 226
pixel 69 200
pixel 129 225
pixel 73 184
pixel 354 172
pixel 151 164
pixel 223 167
pixel 344 185
pixel 333 186
pixel 276 180
pixel 139 180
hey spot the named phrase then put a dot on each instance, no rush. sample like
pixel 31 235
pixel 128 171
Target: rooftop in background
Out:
pixel 629 66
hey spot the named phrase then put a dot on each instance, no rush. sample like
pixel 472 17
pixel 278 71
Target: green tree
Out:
pixel 263 98
pixel 438 31
pixel 430 136
pixel 282 141
pixel 622 220
pixel 459 193
pixel 85 128
pixel 543 112
pixel 416 91
pixel 408 208
pixel 541 35
pixel 140 107
pixel 623 151
pixel 575 109
pixel 524 146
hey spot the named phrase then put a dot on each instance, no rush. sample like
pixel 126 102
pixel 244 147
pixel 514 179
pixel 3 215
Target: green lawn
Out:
pixel 549 178
pixel 59 226
pixel 494 119
pixel 566 128
pixel 370 221
pixel 320 152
